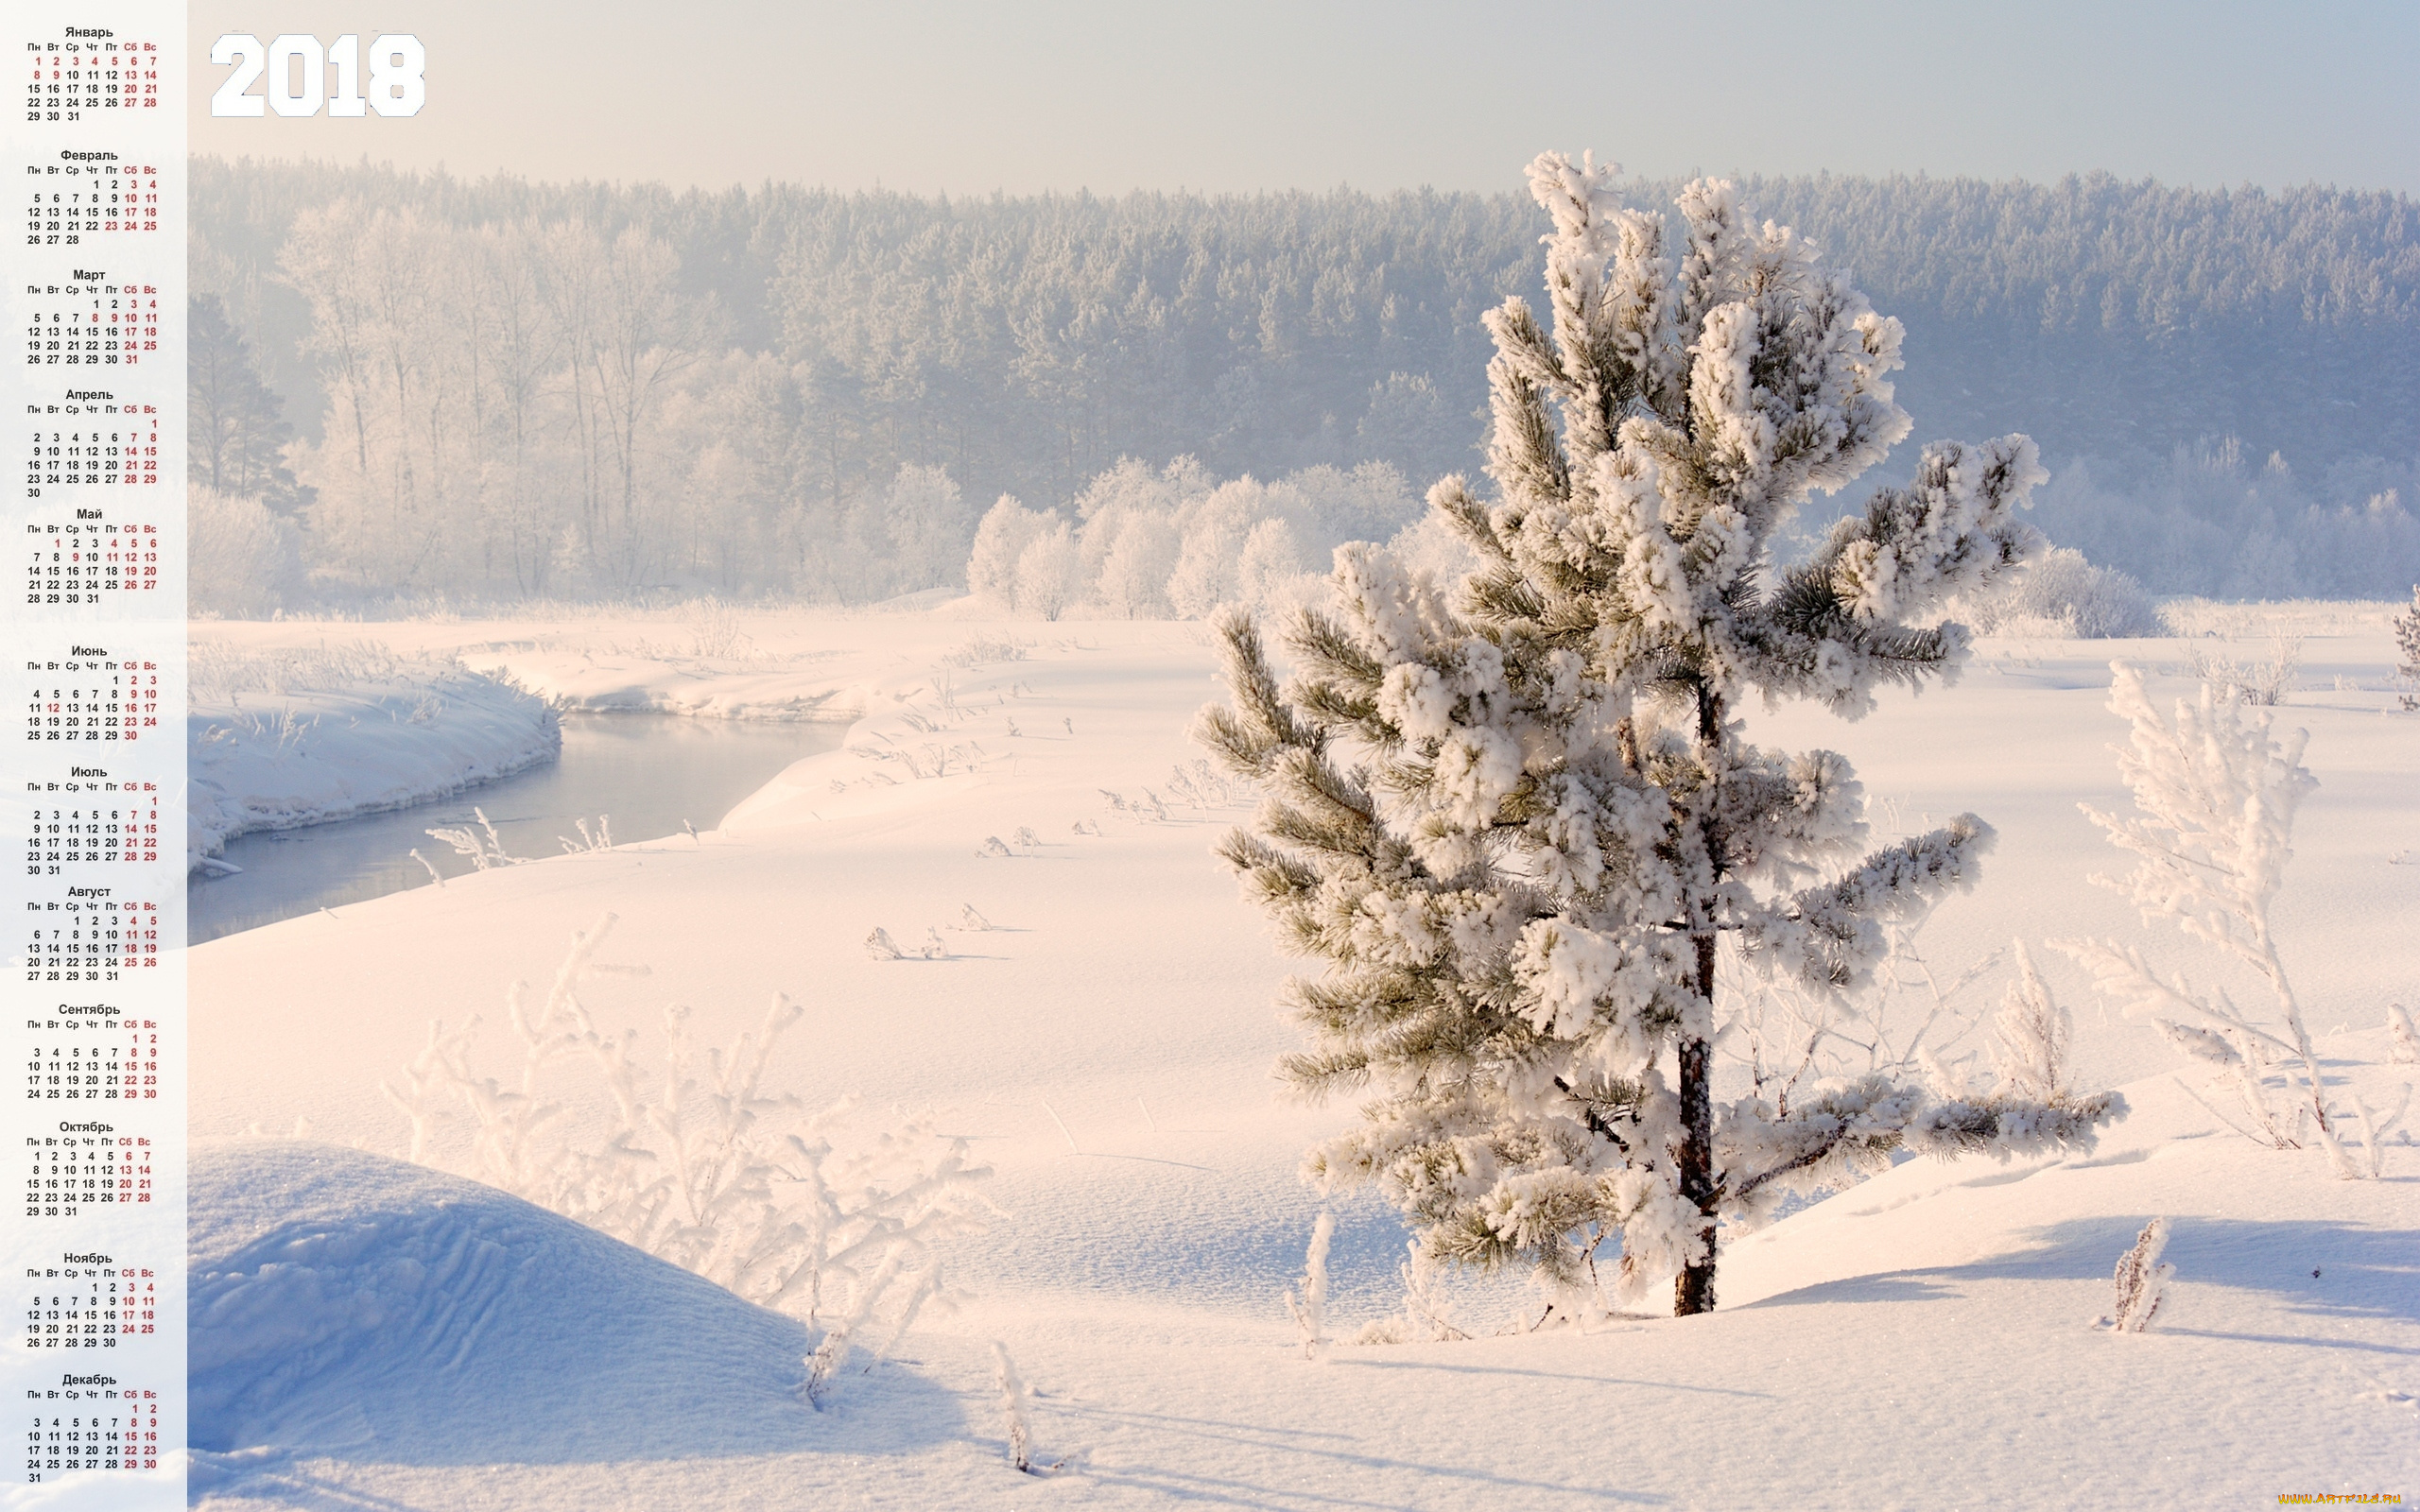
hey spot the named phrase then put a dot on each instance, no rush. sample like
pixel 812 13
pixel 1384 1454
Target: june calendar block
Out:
pixel 88 1165
pixel 91 321
pixel 88 697
pixel 68 204
pixel 89 1301
pixel 88 78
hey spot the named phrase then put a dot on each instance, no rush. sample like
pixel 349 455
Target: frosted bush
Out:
pixel 2407 642
pixel 2142 1280
pixel 2063 594
pixel 830 1215
pixel 2262 680
pixel 2215 795
pixel 1308 1302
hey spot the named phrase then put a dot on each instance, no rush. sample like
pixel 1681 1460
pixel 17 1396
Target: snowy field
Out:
pixel 371 1333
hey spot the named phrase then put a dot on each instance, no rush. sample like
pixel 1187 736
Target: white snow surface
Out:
pixel 367 1333
pixel 406 733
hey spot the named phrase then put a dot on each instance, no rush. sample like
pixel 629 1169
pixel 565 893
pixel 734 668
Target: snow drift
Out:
pixel 349 1305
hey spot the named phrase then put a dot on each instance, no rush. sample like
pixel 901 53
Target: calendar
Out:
pixel 92 806
pixel 91 698
pixel 82 78
pixel 88 438
pixel 70 203
pixel 89 1301
pixel 91 1422
pixel 89 820
pixel 87 1165
pixel 89 934
pixel 91 320
pixel 93 1066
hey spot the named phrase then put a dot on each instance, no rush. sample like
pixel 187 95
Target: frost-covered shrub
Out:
pixel 2407 642
pixel 829 1216
pixel 2142 1280
pixel 1308 1302
pixel 2260 681
pixel 2063 594
pixel 2214 794
pixel 243 560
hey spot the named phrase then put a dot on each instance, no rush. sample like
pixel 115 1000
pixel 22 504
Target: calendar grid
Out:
pixel 92 791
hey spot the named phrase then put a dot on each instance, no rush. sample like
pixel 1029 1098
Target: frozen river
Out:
pixel 648 772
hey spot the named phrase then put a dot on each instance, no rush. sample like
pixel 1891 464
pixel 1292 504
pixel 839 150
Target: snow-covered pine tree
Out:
pixel 1515 819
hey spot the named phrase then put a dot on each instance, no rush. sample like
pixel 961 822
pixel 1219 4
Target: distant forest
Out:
pixel 499 388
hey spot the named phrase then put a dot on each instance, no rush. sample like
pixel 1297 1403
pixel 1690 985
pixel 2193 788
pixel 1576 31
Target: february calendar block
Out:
pixel 85 197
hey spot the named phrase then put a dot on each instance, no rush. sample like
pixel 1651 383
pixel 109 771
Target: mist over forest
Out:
pixel 413 386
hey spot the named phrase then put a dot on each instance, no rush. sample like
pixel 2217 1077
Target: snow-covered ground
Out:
pixel 281 734
pixel 1923 1340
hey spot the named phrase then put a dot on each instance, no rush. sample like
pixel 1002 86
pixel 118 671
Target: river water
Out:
pixel 647 772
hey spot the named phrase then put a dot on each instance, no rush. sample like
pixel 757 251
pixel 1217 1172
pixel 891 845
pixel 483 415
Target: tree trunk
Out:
pixel 1693 1290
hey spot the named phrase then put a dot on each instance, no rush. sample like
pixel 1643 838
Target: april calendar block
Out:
pixel 89 439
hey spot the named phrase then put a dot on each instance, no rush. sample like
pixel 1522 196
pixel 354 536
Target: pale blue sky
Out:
pixel 1251 95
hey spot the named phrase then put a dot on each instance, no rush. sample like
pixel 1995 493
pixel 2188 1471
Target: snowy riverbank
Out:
pixel 283 736
pixel 1104 1046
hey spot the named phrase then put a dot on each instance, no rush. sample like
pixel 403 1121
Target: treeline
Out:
pixel 503 388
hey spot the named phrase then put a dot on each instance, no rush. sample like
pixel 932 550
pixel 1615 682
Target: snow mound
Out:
pixel 346 1304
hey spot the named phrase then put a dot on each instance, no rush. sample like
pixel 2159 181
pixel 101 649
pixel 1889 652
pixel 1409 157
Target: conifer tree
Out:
pixel 1517 818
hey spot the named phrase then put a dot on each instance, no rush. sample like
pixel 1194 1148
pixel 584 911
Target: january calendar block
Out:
pixel 85 80
pixel 91 196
